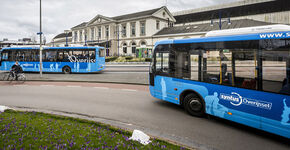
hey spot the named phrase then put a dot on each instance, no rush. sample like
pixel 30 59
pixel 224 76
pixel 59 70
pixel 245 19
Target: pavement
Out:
pixel 131 107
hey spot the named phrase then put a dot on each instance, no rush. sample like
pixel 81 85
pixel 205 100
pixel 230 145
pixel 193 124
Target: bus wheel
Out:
pixel 193 105
pixel 66 70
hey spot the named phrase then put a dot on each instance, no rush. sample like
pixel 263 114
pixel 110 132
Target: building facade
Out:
pixel 20 42
pixel 126 35
pixel 61 40
pixel 135 34
pixel 248 13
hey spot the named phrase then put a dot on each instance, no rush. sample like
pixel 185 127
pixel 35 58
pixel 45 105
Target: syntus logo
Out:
pixel 236 100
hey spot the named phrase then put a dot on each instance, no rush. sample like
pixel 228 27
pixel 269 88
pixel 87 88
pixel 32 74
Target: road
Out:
pixel 138 74
pixel 132 107
pixel 113 73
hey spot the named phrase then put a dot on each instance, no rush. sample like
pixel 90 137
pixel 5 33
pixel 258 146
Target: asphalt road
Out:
pixel 132 107
pixel 137 74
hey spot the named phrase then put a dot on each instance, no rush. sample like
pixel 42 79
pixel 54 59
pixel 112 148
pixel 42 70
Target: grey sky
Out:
pixel 20 18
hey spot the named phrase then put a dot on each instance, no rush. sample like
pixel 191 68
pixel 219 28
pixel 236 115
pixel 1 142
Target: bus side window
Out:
pixel 59 55
pixel 162 62
pixel 4 56
pixel 92 54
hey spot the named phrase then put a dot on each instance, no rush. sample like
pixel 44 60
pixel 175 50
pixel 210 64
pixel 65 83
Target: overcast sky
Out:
pixel 20 18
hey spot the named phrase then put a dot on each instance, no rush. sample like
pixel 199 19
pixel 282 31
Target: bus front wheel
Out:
pixel 194 105
pixel 66 70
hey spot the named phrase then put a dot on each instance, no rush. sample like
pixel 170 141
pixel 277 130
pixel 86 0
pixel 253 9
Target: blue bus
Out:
pixel 55 59
pixel 236 75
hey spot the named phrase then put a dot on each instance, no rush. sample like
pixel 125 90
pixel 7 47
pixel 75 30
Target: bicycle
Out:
pixel 11 76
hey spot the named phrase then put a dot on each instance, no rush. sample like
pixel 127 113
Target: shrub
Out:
pixel 148 59
pixel 128 57
pixel 109 59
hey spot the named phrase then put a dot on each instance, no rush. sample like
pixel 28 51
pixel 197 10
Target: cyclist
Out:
pixel 15 70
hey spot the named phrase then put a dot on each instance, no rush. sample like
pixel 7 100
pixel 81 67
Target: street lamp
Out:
pixel 66 37
pixel 85 37
pixel 40 41
pixel 220 20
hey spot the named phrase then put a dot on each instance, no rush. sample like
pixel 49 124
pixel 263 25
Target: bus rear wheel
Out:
pixel 194 105
pixel 66 70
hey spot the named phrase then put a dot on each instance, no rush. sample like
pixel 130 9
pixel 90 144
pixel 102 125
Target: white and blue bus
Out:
pixel 242 75
pixel 55 59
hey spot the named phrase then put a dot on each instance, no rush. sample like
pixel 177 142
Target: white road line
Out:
pixel 130 90
pixel 104 88
pixel 73 86
pixel 47 85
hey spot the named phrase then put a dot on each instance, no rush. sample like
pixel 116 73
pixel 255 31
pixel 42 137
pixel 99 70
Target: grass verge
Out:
pixel 33 130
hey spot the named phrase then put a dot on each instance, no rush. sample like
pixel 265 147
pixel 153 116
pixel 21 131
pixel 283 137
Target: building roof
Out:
pixel 62 41
pixel 63 35
pixel 137 14
pixel 122 17
pixel 205 27
pixel 80 25
pixel 242 8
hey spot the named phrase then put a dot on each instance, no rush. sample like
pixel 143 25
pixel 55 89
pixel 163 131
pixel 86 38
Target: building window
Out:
pixel 133 29
pixel 125 48
pixel 142 28
pixel 107 31
pixel 124 30
pixel 92 33
pixel 143 44
pixel 99 32
pixel 157 24
pixel 133 48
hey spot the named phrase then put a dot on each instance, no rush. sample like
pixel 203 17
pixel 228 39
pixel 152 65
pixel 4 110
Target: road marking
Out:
pixel 104 88
pixel 129 90
pixel 47 85
pixel 73 86
pixel 129 124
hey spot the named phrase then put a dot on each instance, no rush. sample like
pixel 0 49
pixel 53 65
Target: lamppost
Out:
pixel 66 37
pixel 220 20
pixel 85 37
pixel 40 41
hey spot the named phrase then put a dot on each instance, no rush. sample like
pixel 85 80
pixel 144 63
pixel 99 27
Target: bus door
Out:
pixel 182 65
pixel 195 59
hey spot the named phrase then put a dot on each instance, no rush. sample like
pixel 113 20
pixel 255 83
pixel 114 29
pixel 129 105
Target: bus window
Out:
pixel 162 62
pixel 92 54
pixel 34 55
pixel 60 55
pixel 181 66
pixel 50 56
pixel 66 55
pixel 4 56
pixel 274 71
pixel 245 72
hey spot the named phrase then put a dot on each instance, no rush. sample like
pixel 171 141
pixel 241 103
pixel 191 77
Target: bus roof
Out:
pixel 252 33
pixel 25 48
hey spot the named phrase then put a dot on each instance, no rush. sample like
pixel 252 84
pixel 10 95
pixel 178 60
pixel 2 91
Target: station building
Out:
pixel 135 34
